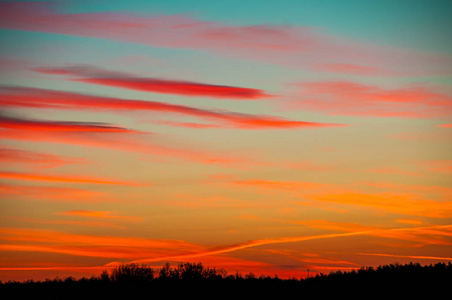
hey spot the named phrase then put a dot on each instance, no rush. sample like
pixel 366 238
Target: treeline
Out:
pixel 187 279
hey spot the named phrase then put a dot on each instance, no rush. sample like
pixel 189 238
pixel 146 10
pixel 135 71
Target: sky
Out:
pixel 272 137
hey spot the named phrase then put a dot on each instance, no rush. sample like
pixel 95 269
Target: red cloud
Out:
pixel 28 157
pixel 41 98
pixel 350 98
pixel 58 126
pixel 116 138
pixel 291 46
pixel 157 85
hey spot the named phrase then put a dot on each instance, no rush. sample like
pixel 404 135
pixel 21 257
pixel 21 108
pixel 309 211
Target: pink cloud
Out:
pixel 290 46
pixel 351 98
pixel 350 69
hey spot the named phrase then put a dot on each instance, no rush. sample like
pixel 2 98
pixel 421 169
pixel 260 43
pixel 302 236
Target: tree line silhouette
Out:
pixel 135 281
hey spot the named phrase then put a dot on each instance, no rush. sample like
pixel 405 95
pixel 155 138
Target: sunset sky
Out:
pixel 257 136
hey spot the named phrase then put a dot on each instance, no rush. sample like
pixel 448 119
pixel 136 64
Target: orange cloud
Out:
pixel 98 214
pixel 395 171
pixel 113 247
pixel 255 243
pixel 94 224
pixel 61 178
pixel 439 167
pixel 51 193
pixel 406 204
pixel 284 185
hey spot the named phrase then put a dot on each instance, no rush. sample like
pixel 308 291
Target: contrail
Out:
pixel 260 242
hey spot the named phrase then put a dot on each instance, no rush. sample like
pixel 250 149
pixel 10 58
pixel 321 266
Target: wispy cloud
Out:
pixel 416 200
pixel 268 241
pixel 155 85
pixel 100 135
pixel 443 167
pixel 59 126
pixel 51 193
pixel 44 160
pixel 352 98
pixel 42 98
pixel 61 178
pixel 113 247
pixel 288 45
pixel 98 215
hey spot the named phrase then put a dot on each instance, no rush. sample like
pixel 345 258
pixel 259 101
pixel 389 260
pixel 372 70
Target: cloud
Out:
pixel 61 178
pixel 255 243
pixel 113 247
pixel 59 126
pixel 286 45
pixel 445 125
pixel 416 200
pixel 51 193
pixel 399 203
pixel 95 224
pixel 350 69
pixel 99 135
pixel 356 99
pixel 439 166
pixel 155 85
pixel 395 171
pixel 42 98
pixel 16 156
pixel 98 215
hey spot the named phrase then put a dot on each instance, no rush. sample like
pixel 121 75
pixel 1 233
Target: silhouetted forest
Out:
pixel 193 279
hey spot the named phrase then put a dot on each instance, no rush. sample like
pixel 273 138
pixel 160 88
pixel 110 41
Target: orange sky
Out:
pixel 156 132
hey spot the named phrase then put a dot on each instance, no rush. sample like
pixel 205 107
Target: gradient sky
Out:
pixel 269 137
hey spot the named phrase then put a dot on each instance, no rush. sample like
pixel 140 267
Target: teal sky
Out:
pixel 423 24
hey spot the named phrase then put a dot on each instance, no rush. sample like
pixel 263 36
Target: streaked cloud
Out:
pixel 100 135
pixel 98 215
pixel 291 46
pixel 44 160
pixel 61 178
pixel 155 85
pixel 42 98
pixel 356 99
pixel 59 126
pixel 52 193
